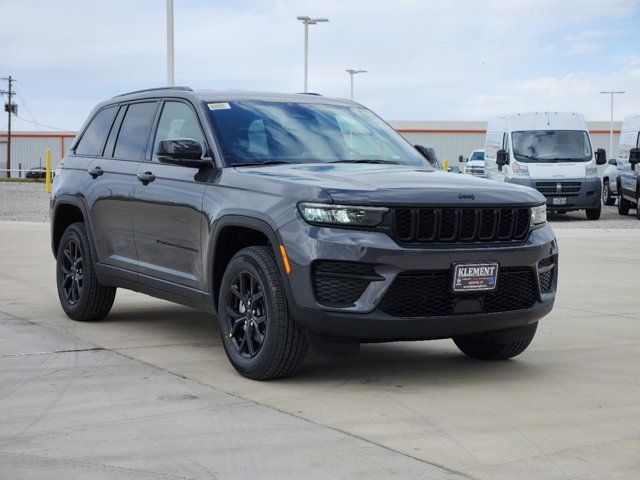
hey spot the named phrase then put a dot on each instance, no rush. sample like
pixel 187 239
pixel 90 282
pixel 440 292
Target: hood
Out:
pixel 552 171
pixel 475 163
pixel 389 185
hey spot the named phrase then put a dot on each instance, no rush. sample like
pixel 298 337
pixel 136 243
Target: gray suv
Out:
pixel 299 221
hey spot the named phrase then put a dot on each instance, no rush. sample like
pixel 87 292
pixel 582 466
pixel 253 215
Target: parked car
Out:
pixel 453 169
pixel 610 181
pixel 628 182
pixel 300 221
pixel 474 163
pixel 37 172
pixel 551 152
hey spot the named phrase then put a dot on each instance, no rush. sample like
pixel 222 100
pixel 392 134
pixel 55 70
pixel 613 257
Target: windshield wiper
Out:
pixel 253 164
pixel 366 160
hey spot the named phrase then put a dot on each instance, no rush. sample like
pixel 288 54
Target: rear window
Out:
pixel 134 132
pixel 95 134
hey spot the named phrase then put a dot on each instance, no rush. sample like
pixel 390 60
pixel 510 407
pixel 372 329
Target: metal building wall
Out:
pixel 448 145
pixel 27 150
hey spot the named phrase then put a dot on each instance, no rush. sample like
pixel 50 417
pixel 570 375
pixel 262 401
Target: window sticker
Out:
pixel 219 106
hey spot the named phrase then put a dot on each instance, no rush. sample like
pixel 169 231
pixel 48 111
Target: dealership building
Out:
pixel 450 139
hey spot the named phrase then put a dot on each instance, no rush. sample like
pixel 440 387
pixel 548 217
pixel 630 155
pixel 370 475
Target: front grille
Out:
pixel 564 189
pixel 476 171
pixel 460 225
pixel 546 268
pixel 423 293
pixel 341 282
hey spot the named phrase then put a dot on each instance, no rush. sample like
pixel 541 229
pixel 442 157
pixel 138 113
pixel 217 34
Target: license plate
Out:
pixel 474 277
pixel 559 200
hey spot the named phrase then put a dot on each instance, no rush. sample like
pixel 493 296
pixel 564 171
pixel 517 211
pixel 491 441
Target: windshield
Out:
pixel 477 155
pixel 551 146
pixel 253 132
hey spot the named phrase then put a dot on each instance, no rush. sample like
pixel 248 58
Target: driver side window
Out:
pixel 177 120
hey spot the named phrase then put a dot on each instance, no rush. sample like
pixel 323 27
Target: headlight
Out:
pixel 327 214
pixel 591 170
pixel 538 215
pixel 519 170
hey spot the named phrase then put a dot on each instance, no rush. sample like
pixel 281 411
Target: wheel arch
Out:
pixel 65 211
pixel 233 233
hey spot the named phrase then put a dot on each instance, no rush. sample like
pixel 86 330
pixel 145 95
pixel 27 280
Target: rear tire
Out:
pixel 260 338
pixel 82 297
pixel 607 198
pixel 497 345
pixel 623 204
pixel 594 213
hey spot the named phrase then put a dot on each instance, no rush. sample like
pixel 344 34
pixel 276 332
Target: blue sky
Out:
pixel 426 60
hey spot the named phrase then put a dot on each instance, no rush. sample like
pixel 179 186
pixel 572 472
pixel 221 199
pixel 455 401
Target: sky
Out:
pixel 425 60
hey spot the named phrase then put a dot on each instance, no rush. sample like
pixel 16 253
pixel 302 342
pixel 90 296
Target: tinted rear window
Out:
pixel 134 132
pixel 93 137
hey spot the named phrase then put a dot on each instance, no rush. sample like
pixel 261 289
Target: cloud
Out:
pixel 425 60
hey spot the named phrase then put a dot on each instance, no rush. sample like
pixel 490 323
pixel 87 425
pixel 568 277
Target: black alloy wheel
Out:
pixel 72 271
pixel 246 316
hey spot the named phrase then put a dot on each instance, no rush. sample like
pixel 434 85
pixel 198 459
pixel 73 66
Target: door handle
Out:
pixel 146 177
pixel 95 172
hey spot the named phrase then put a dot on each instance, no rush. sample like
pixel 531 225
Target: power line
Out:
pixel 43 125
pixel 26 107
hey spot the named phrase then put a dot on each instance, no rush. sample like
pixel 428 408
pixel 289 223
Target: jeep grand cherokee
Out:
pixel 299 220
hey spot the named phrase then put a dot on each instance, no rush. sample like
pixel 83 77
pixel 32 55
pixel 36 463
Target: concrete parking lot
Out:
pixel 148 392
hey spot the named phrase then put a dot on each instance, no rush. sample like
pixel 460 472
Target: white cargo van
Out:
pixel 548 151
pixel 628 181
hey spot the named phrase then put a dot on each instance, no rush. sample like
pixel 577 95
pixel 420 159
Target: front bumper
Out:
pixel 362 319
pixel 588 196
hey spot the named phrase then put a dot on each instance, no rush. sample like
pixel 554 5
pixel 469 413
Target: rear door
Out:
pixel 107 184
pixel 168 216
pixel 114 175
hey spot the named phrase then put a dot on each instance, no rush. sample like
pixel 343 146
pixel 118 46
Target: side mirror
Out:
pixel 613 161
pixel 462 159
pixel 182 151
pixel 601 156
pixel 430 154
pixel 502 158
pixel 634 157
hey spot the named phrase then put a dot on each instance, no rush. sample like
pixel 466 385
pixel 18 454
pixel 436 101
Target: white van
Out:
pixel 548 151
pixel 628 181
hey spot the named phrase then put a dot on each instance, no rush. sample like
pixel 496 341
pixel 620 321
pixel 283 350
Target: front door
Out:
pixel 167 213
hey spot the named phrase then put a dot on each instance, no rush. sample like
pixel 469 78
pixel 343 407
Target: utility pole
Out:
pixel 308 21
pixel 612 93
pixel 351 73
pixel 11 109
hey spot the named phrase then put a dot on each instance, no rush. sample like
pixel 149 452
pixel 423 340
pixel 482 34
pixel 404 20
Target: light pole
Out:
pixel 351 73
pixel 170 43
pixel 612 93
pixel 308 21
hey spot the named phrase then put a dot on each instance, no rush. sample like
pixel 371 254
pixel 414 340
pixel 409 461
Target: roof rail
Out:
pixel 188 89
pixel 309 93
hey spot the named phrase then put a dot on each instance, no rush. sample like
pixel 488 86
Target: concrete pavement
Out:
pixel 148 392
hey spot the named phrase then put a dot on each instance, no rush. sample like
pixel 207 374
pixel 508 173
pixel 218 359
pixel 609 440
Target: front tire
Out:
pixel 594 213
pixel 497 345
pixel 607 198
pixel 81 296
pixel 623 204
pixel 260 338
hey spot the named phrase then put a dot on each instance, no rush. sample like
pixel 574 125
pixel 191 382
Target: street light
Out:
pixel 351 73
pixel 308 21
pixel 170 43
pixel 612 93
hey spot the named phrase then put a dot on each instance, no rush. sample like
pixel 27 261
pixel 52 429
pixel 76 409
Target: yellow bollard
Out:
pixel 47 166
pixel 445 165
